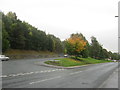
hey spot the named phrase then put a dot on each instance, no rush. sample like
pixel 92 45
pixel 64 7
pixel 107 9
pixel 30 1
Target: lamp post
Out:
pixel 118 28
pixel 116 16
pixel 118 33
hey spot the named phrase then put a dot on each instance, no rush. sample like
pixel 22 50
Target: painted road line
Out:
pixel 45 71
pixel 45 80
pixel 11 75
pixel 3 76
pixel 75 73
pixel 49 71
pixel 28 73
pixel 20 74
pixel 37 71
pixel 41 71
pixel 53 70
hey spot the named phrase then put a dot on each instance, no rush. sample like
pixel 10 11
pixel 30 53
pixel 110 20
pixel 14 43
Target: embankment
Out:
pixel 29 54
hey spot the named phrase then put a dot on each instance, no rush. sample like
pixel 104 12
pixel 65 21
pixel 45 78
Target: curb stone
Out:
pixel 61 67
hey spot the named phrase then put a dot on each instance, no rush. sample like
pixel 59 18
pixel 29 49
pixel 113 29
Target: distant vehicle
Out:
pixel 65 55
pixel 114 60
pixel 3 58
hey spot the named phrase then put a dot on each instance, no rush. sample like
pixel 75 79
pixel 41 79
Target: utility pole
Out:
pixel 118 32
pixel 118 27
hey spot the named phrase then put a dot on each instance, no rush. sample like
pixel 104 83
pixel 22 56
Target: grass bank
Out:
pixel 67 62
pixel 28 54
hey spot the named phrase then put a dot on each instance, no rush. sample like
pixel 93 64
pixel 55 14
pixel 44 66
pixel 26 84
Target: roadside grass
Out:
pixel 68 62
pixel 28 54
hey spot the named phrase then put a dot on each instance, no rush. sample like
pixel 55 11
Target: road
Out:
pixel 28 74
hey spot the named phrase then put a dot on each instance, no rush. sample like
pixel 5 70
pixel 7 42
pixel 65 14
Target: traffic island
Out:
pixel 72 63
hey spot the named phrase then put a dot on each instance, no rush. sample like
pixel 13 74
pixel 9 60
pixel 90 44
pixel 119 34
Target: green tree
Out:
pixel 17 36
pixel 50 44
pixel 95 48
pixel 5 41
pixel 21 35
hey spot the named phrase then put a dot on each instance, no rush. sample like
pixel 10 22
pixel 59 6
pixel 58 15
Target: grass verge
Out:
pixel 68 62
pixel 28 54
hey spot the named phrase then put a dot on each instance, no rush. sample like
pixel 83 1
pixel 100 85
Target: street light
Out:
pixel 118 41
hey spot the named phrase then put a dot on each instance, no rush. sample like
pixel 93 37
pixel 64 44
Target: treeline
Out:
pixel 78 46
pixel 17 34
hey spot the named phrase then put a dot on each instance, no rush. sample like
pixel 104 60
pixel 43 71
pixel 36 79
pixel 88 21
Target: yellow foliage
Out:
pixel 77 42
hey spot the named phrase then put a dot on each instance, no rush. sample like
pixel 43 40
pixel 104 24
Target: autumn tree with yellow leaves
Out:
pixel 75 44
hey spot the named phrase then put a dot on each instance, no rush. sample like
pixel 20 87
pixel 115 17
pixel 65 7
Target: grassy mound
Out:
pixel 67 62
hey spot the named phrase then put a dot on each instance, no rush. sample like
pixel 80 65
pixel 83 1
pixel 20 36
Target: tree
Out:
pixel 95 48
pixel 97 51
pixel 54 44
pixel 5 41
pixel 104 54
pixel 11 15
pixel 114 56
pixel 17 39
pixel 84 53
pixel 75 45
pixel 50 43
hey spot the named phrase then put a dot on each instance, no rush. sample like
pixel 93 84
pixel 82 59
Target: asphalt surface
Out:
pixel 29 74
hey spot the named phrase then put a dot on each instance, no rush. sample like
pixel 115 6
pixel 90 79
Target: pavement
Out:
pixel 30 74
pixel 112 81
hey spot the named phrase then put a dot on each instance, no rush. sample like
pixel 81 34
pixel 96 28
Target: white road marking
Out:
pixel 31 72
pixel 45 80
pixel 38 72
pixel 3 76
pixel 41 71
pixel 20 74
pixel 59 69
pixel 75 72
pixel 45 71
pixel 49 71
pixel 53 70
pixel 28 73
pixel 14 75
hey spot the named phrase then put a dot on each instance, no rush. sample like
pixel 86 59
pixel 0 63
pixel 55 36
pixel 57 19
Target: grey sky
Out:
pixel 64 17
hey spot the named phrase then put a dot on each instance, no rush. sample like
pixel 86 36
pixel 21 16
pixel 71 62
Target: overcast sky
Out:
pixel 64 17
